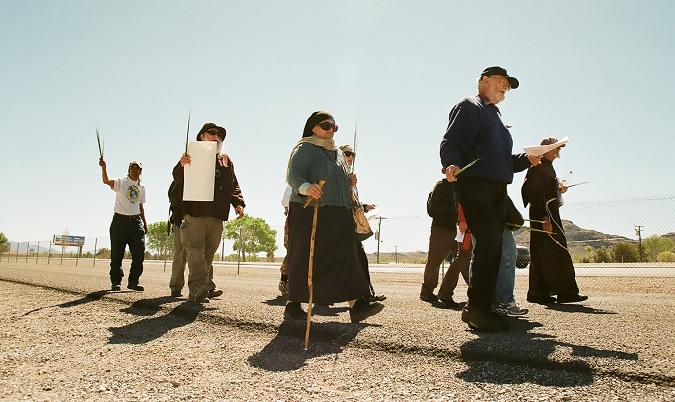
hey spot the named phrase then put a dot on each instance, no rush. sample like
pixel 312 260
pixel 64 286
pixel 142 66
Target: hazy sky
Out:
pixel 600 72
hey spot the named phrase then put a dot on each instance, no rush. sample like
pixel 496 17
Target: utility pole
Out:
pixel 638 233
pixel 396 254
pixel 379 236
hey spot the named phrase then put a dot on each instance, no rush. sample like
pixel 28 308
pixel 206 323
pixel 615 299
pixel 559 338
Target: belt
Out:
pixel 126 216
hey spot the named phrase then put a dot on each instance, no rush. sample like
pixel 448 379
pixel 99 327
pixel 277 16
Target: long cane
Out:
pixel 310 287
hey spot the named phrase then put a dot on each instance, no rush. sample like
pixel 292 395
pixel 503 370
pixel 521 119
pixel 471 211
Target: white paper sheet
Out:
pixel 539 150
pixel 200 174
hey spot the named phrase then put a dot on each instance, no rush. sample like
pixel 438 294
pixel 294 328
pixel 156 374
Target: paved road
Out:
pixel 65 337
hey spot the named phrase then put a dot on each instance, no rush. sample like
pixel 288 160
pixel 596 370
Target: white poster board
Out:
pixel 200 174
pixel 539 150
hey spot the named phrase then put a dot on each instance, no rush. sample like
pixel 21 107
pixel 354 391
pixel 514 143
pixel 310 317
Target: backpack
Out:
pixel 175 194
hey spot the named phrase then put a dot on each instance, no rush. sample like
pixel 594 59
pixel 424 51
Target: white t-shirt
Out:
pixel 129 195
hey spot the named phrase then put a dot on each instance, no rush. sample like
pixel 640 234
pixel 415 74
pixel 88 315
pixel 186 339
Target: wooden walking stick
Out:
pixel 310 287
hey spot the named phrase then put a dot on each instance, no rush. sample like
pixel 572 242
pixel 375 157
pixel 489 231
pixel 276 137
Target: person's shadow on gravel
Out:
pixel 519 356
pixel 578 308
pixel 286 351
pixel 149 329
pixel 277 301
pixel 147 307
pixel 88 298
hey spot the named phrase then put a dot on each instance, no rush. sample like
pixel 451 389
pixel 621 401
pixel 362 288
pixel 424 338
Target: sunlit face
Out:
pixel 134 172
pixel 210 136
pixel 494 88
pixel 553 154
pixel 349 157
pixel 325 129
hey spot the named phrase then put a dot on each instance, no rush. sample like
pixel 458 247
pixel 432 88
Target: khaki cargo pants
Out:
pixel 201 237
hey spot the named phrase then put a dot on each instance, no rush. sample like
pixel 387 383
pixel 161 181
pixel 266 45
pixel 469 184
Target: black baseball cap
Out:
pixel 496 70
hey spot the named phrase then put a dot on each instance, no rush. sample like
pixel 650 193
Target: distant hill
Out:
pixel 577 240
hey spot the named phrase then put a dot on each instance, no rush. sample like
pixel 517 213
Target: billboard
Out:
pixel 65 240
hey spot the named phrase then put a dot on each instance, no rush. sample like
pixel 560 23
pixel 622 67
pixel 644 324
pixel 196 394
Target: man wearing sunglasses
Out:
pixel 202 225
pixel 476 130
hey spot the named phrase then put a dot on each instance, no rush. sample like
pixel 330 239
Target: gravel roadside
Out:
pixel 64 340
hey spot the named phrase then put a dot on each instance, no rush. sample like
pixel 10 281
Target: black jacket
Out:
pixel 441 205
pixel 226 192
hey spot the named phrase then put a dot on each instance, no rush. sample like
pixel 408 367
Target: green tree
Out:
pixel 103 253
pixel 4 243
pixel 251 235
pixel 625 252
pixel 158 240
pixel 654 245
pixel 602 254
pixel 665 256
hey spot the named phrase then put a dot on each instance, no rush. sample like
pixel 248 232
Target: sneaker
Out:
pixel 115 287
pixel 448 304
pixel 215 293
pixel 135 287
pixel 571 298
pixel 510 309
pixel 480 321
pixel 176 293
pixel 428 297
pixel 294 311
pixel 362 310
pixel 283 288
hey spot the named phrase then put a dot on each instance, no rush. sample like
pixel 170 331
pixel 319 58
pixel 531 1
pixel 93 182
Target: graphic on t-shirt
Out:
pixel 133 194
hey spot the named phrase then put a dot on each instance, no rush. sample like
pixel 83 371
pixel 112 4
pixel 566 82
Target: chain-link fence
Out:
pixel 637 232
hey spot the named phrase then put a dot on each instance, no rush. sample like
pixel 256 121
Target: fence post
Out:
pixel 49 253
pixel 37 254
pixel 95 245
pixel 27 251
pixel 17 253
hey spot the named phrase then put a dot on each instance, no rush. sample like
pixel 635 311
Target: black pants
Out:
pixel 126 230
pixel 484 204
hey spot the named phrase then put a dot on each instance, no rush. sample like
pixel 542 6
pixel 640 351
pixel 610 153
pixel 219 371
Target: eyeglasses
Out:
pixel 326 125
pixel 347 153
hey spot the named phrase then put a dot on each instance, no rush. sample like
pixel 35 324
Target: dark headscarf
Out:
pixel 314 119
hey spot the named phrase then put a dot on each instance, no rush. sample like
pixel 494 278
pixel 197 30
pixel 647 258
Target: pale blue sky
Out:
pixel 600 72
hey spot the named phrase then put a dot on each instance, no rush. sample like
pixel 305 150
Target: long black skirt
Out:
pixel 338 271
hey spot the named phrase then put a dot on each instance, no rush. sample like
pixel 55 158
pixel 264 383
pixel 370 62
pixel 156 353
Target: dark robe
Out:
pixel 340 265
pixel 551 267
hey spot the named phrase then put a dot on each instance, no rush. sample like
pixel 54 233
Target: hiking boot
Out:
pixel 294 311
pixel 135 287
pixel 375 298
pixel 537 299
pixel 115 287
pixel 481 321
pixel 448 304
pixel 428 297
pixel 215 293
pixel 510 309
pixel 283 288
pixel 176 293
pixel 200 298
pixel 362 310
pixel 575 298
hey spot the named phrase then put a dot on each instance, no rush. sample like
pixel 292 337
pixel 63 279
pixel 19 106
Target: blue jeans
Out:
pixel 506 279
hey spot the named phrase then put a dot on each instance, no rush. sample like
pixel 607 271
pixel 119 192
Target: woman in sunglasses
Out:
pixel 338 274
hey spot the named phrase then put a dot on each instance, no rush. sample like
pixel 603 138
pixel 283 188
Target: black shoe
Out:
pixel 428 297
pixel 115 287
pixel 215 293
pixel 375 298
pixel 571 298
pixel 362 310
pixel 481 321
pixel 135 287
pixel 541 299
pixel 200 299
pixel 294 311
pixel 448 304
pixel 176 293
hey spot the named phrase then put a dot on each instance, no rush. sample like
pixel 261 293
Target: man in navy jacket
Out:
pixel 475 130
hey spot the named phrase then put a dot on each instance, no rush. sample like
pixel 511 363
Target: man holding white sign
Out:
pixel 209 188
